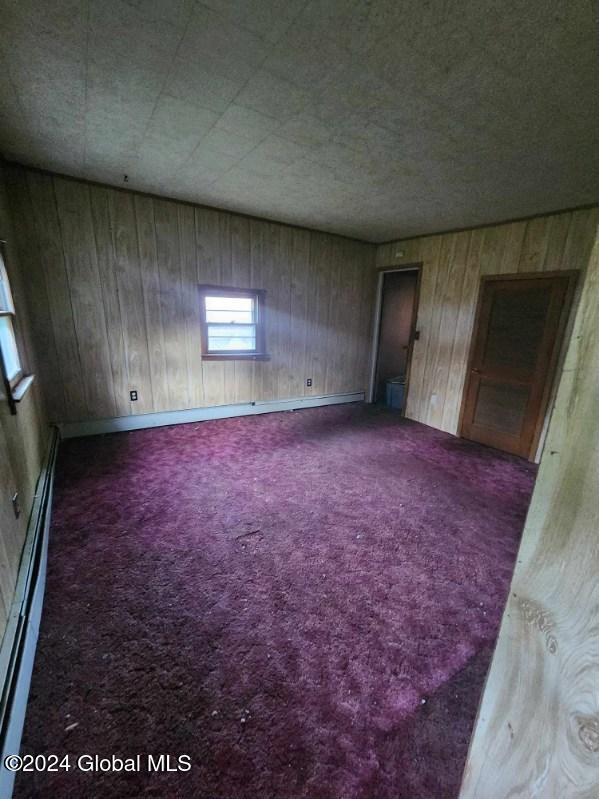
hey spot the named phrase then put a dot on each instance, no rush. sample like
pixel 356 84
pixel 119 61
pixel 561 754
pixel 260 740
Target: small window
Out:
pixel 232 323
pixel 11 363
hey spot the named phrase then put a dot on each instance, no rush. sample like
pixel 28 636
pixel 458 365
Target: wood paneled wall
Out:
pixel 453 264
pixel 113 279
pixel 23 438
pixel 537 733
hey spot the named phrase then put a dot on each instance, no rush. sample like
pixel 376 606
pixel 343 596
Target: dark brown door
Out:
pixel 516 341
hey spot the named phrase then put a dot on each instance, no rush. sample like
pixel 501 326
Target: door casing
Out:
pixel 414 267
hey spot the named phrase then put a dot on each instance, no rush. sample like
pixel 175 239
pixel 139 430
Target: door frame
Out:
pixel 376 329
pixel 572 276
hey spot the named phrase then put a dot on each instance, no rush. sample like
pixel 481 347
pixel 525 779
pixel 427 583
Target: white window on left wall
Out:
pixel 15 382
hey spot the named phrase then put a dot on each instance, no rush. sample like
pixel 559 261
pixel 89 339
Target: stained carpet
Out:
pixel 304 603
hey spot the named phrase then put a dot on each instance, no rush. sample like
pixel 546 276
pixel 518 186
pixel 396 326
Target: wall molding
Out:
pixel 17 651
pixel 121 424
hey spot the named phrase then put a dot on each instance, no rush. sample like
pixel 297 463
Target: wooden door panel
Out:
pixel 516 326
pixel 501 407
pixel 515 344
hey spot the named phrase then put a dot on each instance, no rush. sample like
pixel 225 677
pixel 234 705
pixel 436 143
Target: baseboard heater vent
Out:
pixel 160 419
pixel 20 637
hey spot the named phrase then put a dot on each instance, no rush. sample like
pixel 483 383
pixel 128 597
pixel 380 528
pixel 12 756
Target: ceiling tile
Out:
pixel 218 45
pixel 269 20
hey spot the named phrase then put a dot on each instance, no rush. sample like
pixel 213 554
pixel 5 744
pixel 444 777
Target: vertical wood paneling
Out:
pixel 448 300
pixel 173 321
pixel 85 291
pixel 580 237
pixel 110 297
pixel 556 242
pixel 348 341
pixel 130 296
pixel 512 239
pixel 270 272
pixel 319 306
pixel 537 728
pixel 337 340
pixel 40 318
pixel 115 283
pixel 190 299
pixel 23 438
pixel 298 312
pixel 534 248
pixel 284 271
pixel 150 288
pixel 44 230
pixel 463 329
pixel 452 265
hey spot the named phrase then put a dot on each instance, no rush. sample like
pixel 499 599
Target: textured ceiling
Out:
pixel 376 119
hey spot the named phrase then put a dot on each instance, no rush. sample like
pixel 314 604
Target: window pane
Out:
pixel 239 317
pixel 224 303
pixel 8 344
pixel 231 337
pixel 223 343
pixel 245 331
pixel 6 303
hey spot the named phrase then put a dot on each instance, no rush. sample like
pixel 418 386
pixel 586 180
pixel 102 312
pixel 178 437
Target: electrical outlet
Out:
pixel 16 505
pixel 133 396
pixel 309 382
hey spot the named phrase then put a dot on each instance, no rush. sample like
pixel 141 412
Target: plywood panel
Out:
pixel 23 438
pixel 105 251
pixel 538 723
pixel 463 329
pixel 447 301
pixel 41 329
pixel 318 312
pixel 298 312
pixel 42 229
pixel 129 287
pixel 452 265
pixel 337 339
pixel 85 295
pixel 171 291
pixel 286 380
pixel 190 305
pixel 150 289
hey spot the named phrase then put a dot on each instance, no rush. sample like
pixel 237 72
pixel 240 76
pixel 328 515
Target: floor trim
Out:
pixel 17 651
pixel 123 423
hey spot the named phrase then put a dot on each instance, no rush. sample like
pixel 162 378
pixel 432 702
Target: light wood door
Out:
pixel 516 341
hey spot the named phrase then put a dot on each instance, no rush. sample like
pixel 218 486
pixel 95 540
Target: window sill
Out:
pixel 235 356
pixel 22 387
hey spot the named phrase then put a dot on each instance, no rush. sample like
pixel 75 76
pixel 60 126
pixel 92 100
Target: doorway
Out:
pixel 517 338
pixel 398 300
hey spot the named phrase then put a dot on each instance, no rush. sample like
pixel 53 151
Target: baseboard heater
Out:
pixel 17 651
pixel 143 420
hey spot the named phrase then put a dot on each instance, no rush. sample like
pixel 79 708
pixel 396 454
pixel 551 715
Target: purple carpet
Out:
pixel 304 603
